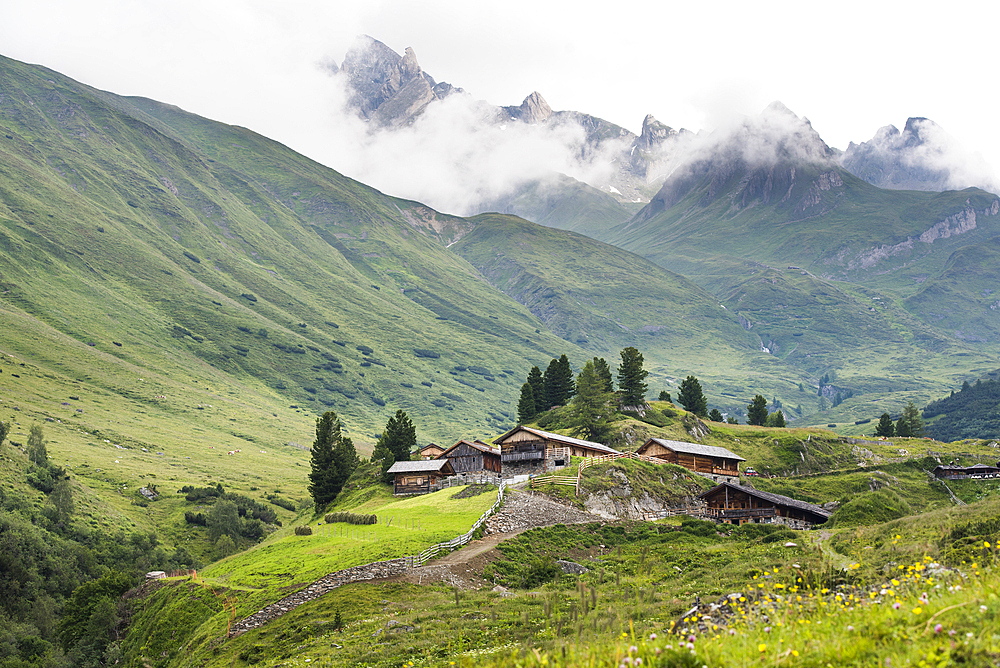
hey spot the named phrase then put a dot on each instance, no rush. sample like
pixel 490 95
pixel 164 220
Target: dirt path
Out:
pixel 521 511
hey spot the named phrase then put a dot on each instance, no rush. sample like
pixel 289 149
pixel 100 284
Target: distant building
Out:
pixel 974 471
pixel 532 451
pixel 472 457
pixel 431 451
pixel 738 504
pixel 707 459
pixel 419 476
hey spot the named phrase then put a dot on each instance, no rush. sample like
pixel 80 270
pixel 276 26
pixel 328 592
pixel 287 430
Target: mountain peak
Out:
pixel 534 109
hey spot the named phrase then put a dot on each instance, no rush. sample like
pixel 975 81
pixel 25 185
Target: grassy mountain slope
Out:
pixel 201 252
pixel 567 204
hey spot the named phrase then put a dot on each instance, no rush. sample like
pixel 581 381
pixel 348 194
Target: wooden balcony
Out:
pixel 528 455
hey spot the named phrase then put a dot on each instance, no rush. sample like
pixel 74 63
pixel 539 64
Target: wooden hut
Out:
pixel 473 457
pixel 737 504
pixel 532 451
pixel 431 451
pixel 961 472
pixel 708 459
pixel 419 476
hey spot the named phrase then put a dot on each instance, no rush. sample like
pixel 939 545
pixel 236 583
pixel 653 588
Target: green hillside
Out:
pixel 210 261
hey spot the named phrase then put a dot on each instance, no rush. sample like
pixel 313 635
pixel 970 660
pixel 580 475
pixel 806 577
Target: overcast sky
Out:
pixel 850 67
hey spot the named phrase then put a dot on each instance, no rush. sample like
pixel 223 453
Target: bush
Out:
pixel 280 502
pixel 423 352
pixel 350 518
pixel 303 531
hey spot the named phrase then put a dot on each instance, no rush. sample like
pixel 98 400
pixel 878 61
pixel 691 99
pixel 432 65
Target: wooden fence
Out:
pixel 417 560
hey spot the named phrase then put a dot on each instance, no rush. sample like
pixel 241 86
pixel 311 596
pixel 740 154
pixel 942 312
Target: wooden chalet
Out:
pixel 473 457
pixel 532 451
pixel 961 472
pixel 707 459
pixel 738 504
pixel 419 476
pixel 431 451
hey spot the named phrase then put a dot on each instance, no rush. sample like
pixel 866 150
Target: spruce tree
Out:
pixel 913 424
pixel 4 430
pixel 692 398
pixel 776 419
pixel 537 389
pixel 714 415
pixel 558 382
pixel 757 411
pixel 332 460
pixel 591 407
pixel 885 426
pixel 664 396
pixel 632 378
pixel 603 372
pixel 396 442
pixel 526 405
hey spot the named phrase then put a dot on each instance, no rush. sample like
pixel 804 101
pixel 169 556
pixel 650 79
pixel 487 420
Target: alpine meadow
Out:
pixel 737 405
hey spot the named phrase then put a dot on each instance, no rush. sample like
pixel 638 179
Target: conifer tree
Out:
pixel 885 426
pixel 910 423
pixel 558 382
pixel 396 442
pixel 632 378
pixel 332 460
pixel 537 389
pixel 714 415
pixel 757 411
pixel 526 405
pixel 591 407
pixel 603 372
pixel 4 430
pixel 776 419
pixel 692 398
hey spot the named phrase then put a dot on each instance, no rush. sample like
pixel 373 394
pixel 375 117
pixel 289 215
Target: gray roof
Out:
pixel 559 437
pixel 478 445
pixel 697 449
pixel 418 466
pixel 773 498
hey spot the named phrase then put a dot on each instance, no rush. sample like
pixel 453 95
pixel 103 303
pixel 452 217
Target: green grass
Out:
pixel 642 577
pixel 405 527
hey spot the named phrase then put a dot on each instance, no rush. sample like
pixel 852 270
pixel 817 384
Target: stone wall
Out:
pixel 378 569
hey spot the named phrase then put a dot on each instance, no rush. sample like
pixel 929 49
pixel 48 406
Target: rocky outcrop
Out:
pixel 533 110
pixel 921 157
pixel 389 89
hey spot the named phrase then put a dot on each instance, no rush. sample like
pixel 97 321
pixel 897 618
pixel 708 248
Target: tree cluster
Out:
pixel 972 412
pixel 910 423
pixel 332 460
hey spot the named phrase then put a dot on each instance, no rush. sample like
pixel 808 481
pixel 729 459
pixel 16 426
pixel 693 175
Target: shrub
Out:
pixel 350 518
pixel 280 502
pixel 191 256
pixel 249 296
pixel 423 352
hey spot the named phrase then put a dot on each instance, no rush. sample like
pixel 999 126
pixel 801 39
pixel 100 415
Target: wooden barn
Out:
pixel 738 504
pixel 473 457
pixel 532 451
pixel 431 451
pixel 961 472
pixel 708 459
pixel 419 476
